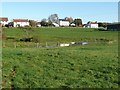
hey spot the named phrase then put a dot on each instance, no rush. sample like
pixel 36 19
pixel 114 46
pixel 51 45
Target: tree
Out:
pixel 53 18
pixel 70 19
pixel 78 22
pixel 100 24
pixel 33 23
pixel 49 23
pixel 45 22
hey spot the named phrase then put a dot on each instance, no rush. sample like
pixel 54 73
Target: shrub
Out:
pixel 102 29
pixel 29 39
pixel 10 37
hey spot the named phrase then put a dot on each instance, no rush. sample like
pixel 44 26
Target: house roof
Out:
pixel 93 22
pixel 62 20
pixel 4 19
pixel 20 20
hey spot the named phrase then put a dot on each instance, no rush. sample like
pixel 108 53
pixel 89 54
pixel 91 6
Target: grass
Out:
pixel 87 66
pixel 62 34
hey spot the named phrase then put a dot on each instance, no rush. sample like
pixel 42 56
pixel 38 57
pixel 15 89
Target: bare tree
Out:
pixel 70 19
pixel 54 18
pixel 33 23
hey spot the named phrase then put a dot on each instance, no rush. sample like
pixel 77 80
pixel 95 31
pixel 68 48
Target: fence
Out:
pixel 46 44
pixel 30 44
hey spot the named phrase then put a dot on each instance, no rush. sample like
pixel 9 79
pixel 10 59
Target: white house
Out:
pixel 3 21
pixel 92 25
pixel 20 22
pixel 64 23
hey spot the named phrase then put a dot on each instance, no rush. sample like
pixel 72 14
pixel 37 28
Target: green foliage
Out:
pixel 78 22
pixel 43 23
pixel 104 25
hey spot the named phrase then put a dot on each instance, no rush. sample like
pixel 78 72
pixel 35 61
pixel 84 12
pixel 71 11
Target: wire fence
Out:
pixel 30 44
pixel 47 44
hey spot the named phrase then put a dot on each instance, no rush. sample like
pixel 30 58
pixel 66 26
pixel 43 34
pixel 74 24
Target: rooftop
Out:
pixel 20 20
pixel 3 19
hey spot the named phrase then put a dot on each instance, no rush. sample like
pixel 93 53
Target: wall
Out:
pixel 64 23
pixel 3 23
pixel 94 25
pixel 22 24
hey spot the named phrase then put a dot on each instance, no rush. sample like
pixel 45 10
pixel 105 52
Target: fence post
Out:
pixel 28 44
pixel 37 45
pixel 15 45
pixel 46 44
pixel 58 43
pixel 4 44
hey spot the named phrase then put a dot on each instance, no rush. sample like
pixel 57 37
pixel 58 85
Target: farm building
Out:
pixel 64 22
pixel 3 21
pixel 113 27
pixel 92 25
pixel 20 22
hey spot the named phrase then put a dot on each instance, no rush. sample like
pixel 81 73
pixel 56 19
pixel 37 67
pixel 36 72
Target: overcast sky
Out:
pixel 87 11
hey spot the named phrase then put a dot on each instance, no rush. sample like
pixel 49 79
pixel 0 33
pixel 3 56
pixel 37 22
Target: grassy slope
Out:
pixel 62 34
pixel 79 66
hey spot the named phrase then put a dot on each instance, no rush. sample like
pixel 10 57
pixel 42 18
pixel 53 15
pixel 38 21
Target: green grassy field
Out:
pixel 82 66
pixel 61 34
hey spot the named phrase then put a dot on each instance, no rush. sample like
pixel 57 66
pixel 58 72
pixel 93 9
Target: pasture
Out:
pixel 80 66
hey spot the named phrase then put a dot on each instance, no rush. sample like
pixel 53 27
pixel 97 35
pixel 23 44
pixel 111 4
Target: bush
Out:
pixel 102 29
pixel 10 37
pixel 29 39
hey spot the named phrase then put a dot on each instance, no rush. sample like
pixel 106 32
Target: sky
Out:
pixel 87 11
pixel 119 12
